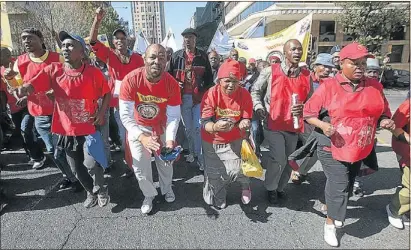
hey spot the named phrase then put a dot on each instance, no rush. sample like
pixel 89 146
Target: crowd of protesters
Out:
pixel 81 108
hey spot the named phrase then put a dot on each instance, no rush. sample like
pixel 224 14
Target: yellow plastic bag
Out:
pixel 251 166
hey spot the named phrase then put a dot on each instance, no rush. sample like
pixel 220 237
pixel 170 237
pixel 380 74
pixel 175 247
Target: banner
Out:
pixel 5 33
pixel 169 40
pixel 273 45
pixel 222 42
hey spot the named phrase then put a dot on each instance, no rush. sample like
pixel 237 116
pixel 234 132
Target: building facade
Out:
pixel 150 19
pixel 326 31
pixel 212 12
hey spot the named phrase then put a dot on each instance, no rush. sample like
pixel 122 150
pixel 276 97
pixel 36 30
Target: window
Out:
pixel 144 25
pixel 324 49
pixel 143 17
pixel 142 8
pixel 396 53
pixel 327 31
pixel 149 8
pixel 398 33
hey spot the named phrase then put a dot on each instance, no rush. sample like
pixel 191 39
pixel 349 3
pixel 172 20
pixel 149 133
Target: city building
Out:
pixel 150 19
pixel 212 12
pixel 326 31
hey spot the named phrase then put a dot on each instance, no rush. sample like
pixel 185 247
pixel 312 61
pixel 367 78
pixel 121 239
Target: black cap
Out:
pixel 189 31
pixel 119 30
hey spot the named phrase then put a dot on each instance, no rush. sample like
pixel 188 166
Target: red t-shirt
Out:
pixel 402 120
pixel 116 69
pixel 38 104
pixel 151 100
pixel 219 105
pixel 76 93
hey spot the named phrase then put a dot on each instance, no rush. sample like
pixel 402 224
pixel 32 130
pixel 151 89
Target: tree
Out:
pixel 373 22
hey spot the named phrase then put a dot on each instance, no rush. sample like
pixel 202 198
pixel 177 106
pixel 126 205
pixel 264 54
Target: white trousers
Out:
pixel 143 171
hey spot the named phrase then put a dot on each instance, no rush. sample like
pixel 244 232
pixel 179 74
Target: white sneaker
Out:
pixel 338 224
pixel 200 165
pixel 39 164
pixel 330 235
pixel 395 221
pixel 190 158
pixel 147 205
pixel 170 197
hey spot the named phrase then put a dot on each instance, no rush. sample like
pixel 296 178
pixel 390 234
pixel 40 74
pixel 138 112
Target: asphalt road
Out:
pixel 38 216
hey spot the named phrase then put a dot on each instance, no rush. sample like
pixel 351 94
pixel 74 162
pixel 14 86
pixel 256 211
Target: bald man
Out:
pixel 150 102
pixel 243 68
pixel 214 59
pixel 271 95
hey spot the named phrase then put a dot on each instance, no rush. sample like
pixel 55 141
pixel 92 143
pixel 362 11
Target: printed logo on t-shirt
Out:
pixel 150 98
pixel 148 110
pixel 227 112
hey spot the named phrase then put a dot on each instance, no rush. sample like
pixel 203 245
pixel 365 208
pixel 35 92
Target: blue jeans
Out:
pixel 257 133
pixel 25 123
pixel 116 127
pixel 61 161
pixel 105 130
pixel 43 127
pixel 191 119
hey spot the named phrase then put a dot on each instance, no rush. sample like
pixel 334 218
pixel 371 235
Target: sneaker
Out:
pixel 222 206
pixel 147 205
pixel 170 196
pixel 357 189
pixel 406 219
pixel 39 164
pixel 330 235
pixel 281 194
pixel 117 148
pixel 91 201
pixel 31 161
pixel 298 178
pixel 338 224
pixel 64 184
pixel 103 198
pixel 394 220
pixel 246 196
pixel 190 158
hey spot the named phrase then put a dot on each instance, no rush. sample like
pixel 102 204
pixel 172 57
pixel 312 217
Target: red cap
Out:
pixel 354 51
pixel 251 60
pixel 230 68
pixel 274 57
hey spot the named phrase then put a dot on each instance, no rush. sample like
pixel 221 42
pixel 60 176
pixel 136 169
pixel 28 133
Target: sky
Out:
pixel 177 14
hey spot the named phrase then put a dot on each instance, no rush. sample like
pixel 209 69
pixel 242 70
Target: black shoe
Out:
pixel 272 197
pixel 76 187
pixel 281 194
pixel 64 184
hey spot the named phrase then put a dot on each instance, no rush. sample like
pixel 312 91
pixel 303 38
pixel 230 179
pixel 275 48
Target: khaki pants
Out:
pixel 400 203
pixel 222 167
pixel 281 145
pixel 142 168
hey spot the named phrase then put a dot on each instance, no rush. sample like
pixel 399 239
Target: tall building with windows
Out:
pixel 326 31
pixel 150 19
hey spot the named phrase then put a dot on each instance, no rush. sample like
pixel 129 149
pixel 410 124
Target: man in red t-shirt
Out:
pixel 150 111
pixel 272 99
pixel 77 88
pixel 120 61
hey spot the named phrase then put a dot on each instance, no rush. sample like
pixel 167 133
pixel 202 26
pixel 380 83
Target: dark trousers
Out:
pixel 340 181
pixel 113 128
pixel 86 169
pixel 257 133
pixel 24 122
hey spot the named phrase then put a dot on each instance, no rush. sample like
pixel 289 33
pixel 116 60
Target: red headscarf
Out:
pixel 230 68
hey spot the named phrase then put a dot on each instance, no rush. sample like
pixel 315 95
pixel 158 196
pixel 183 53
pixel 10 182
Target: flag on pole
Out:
pixel 222 42
pixel 255 30
pixel 141 43
pixel 169 40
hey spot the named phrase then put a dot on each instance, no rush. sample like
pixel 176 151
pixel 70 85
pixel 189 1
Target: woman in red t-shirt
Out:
pixel 226 110
pixel 351 131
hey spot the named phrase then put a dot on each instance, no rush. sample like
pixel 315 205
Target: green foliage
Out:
pixel 373 22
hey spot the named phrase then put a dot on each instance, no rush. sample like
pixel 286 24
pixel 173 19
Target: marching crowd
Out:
pixel 81 108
